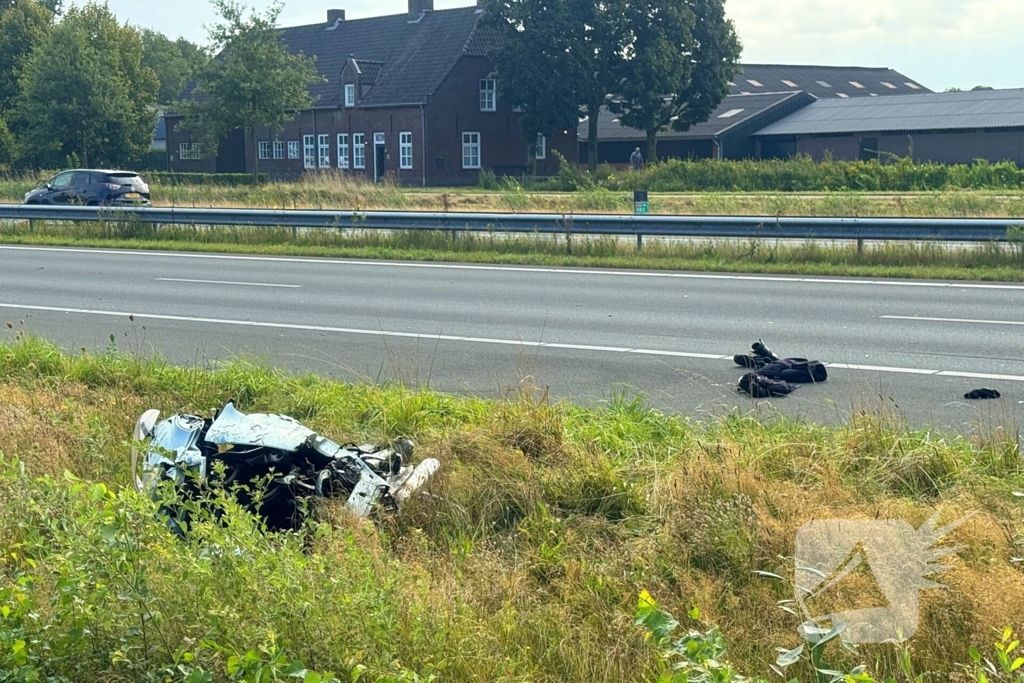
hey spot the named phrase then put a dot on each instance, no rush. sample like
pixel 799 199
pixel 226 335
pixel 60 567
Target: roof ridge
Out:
pixel 818 66
pixel 965 93
pixel 376 16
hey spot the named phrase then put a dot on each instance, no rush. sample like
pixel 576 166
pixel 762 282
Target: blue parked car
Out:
pixel 92 188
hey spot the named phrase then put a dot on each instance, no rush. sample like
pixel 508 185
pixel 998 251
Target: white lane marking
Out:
pixel 975 375
pixel 951 320
pixel 875 368
pixel 472 340
pixel 521 269
pixel 683 354
pixel 222 282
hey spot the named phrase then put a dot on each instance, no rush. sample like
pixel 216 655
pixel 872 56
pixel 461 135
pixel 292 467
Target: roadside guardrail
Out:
pixel 625 225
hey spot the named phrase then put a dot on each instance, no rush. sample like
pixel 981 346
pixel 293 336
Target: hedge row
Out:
pixel 805 175
pixel 219 179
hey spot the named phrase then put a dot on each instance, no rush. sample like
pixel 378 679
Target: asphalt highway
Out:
pixel 909 347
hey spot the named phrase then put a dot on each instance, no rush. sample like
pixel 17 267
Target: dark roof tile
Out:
pixel 734 110
pixel 406 60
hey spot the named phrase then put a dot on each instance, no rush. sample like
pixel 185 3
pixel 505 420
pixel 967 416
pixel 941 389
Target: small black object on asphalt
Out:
pixel 982 394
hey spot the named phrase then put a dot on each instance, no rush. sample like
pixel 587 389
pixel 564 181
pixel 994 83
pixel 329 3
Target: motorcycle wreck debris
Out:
pixel 244 452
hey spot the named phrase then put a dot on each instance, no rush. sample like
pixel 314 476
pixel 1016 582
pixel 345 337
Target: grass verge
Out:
pixel 939 261
pixel 547 523
pixel 327 190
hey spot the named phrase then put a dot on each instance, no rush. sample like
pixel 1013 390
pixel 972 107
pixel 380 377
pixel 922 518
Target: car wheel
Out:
pixel 92 202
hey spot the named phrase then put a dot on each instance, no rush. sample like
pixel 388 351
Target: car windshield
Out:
pixel 124 178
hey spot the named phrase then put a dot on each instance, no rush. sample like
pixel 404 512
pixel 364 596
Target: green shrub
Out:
pixel 487 180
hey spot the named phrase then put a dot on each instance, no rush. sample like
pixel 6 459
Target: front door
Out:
pixel 60 189
pixel 379 157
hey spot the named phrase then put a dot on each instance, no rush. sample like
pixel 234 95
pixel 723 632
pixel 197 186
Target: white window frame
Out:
pixel 293 149
pixel 278 149
pixel 359 151
pixel 470 147
pixel 324 150
pixel 405 151
pixel 343 150
pixel 309 151
pixel 542 147
pixel 264 149
pixel 350 95
pixel 190 151
pixel 488 94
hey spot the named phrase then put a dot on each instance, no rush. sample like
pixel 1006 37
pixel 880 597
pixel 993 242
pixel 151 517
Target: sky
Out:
pixel 940 43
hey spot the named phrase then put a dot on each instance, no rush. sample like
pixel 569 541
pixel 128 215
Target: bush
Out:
pixel 153 161
pixel 487 180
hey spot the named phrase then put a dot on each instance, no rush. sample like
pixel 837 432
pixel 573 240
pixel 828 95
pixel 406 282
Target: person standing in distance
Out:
pixel 637 159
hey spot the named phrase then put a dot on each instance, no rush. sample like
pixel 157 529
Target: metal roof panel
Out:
pixel 933 111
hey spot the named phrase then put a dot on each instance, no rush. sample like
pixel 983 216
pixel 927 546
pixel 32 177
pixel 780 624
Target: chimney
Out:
pixel 418 7
pixel 335 16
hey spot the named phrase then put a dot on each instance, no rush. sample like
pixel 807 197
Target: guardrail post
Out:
pixel 639 242
pixel 31 225
pixel 860 245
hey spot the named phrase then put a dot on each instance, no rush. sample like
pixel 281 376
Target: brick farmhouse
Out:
pixel 411 97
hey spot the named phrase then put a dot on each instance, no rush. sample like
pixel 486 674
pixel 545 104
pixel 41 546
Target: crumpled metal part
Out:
pixel 192 451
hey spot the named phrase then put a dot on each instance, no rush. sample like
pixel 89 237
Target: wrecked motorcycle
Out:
pixel 276 454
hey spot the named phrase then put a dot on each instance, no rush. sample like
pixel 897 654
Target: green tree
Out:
pixel 174 61
pixel 559 58
pixel 85 91
pixel 6 145
pixel 254 81
pixel 546 103
pixel 24 24
pixel 680 57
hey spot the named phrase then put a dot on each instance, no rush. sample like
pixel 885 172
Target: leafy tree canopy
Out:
pixel 681 56
pixel 173 61
pixel 24 24
pixel 558 60
pixel 85 91
pixel 253 82
pixel 658 63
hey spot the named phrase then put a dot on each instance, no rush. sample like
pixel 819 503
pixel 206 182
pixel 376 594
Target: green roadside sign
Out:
pixel 640 205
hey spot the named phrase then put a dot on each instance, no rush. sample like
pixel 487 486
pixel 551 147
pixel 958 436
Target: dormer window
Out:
pixel 488 95
pixel 350 95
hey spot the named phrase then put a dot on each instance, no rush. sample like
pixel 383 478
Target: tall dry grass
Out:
pixel 524 564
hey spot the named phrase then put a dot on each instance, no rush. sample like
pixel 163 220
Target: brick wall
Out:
pixel 437 158
pixel 332 122
pixel 208 164
pixel 455 109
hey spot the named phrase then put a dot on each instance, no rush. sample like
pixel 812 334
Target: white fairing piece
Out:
pixel 267 431
pixel 414 480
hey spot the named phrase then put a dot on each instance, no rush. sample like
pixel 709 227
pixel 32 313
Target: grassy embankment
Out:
pixel 548 522
pixel 937 261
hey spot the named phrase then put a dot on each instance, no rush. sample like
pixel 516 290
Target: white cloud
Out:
pixel 938 42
